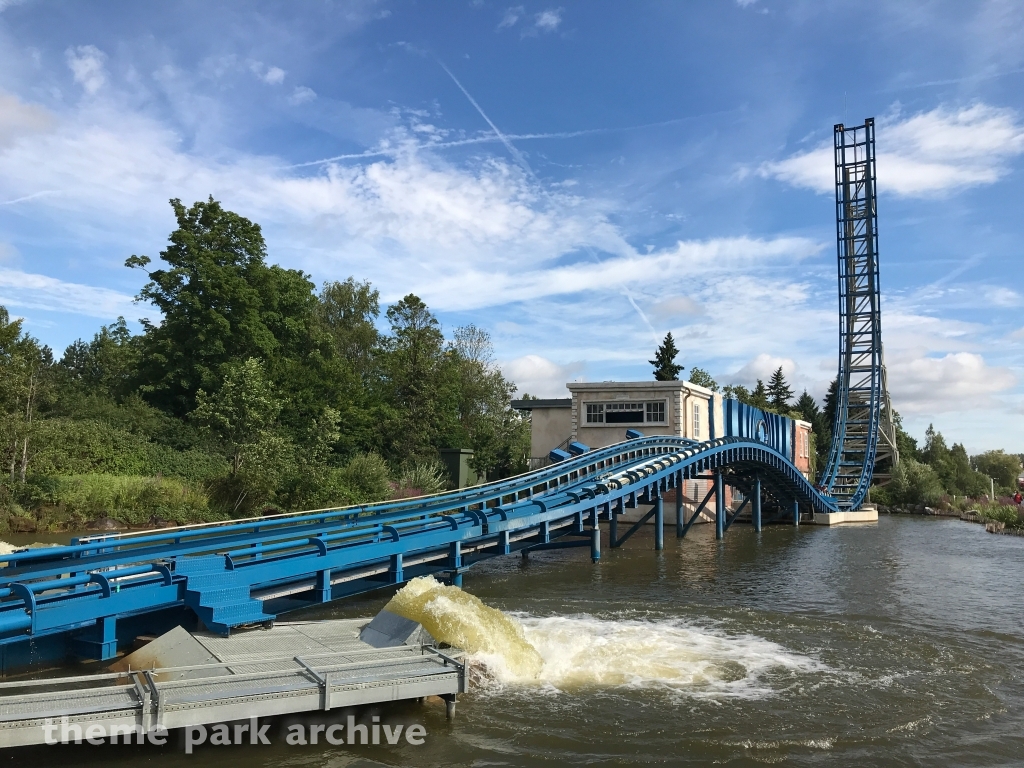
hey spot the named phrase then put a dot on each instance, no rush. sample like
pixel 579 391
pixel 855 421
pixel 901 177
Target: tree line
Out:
pixel 251 390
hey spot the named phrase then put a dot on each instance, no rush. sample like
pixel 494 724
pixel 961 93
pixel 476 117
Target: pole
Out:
pixel 659 520
pixel 796 512
pixel 719 506
pixel 679 505
pixel 756 511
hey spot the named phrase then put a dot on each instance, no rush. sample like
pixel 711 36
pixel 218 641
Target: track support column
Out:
pixel 455 562
pixel 613 523
pixel 719 505
pixel 659 520
pixel 756 501
pixel 679 505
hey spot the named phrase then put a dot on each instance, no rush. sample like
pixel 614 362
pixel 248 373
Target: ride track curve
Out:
pixel 101 592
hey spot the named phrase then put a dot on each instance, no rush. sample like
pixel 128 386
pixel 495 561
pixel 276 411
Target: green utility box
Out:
pixel 456 461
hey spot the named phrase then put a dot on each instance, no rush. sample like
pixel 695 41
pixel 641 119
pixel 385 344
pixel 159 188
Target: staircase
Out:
pixel 215 595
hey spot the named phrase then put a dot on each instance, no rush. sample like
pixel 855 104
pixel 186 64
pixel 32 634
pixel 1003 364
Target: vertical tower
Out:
pixel 863 431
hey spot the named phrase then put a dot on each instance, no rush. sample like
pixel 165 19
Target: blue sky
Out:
pixel 576 178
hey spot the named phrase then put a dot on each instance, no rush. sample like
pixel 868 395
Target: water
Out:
pixel 894 644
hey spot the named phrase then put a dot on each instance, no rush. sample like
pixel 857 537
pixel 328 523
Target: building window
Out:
pixel 696 420
pixel 626 413
pixel 807 445
pixel 656 412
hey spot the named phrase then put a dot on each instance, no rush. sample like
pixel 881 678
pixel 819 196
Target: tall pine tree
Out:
pixel 779 391
pixel 664 362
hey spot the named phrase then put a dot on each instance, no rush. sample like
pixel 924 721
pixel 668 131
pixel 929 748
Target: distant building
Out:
pixel 598 414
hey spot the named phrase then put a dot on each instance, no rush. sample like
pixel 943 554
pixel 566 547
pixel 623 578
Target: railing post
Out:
pixel 719 505
pixel 756 511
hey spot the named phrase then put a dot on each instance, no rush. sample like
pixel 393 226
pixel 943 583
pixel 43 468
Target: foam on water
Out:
pixel 577 652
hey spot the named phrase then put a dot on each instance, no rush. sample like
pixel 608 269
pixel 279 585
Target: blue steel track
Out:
pixel 245 572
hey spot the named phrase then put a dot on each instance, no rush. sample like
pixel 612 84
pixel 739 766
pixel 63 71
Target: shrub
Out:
pixel 420 479
pixel 914 483
pixel 367 478
pixel 73 501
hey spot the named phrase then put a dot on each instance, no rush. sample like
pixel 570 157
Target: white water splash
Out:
pixel 563 653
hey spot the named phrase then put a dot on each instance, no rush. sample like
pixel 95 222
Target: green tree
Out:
pixel 1002 467
pixel 25 387
pixel 498 435
pixel 779 391
pixel 414 370
pixel 348 312
pixel 243 413
pixel 107 365
pixel 737 392
pixel 963 478
pixel 664 362
pixel 914 483
pixel 220 302
pixel 702 378
pixel 759 397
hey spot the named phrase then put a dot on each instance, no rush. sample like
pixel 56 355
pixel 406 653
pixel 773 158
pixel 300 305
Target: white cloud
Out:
pixel 511 17
pixel 19 119
pixel 958 381
pixel 301 95
pixel 274 76
pixel 548 21
pixel 745 3
pixel 32 291
pixel 86 63
pixel 675 307
pixel 1018 335
pixel 541 377
pixel 762 367
pixel 925 154
pixel 269 75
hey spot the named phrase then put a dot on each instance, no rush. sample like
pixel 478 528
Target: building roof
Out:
pixel 635 385
pixel 529 405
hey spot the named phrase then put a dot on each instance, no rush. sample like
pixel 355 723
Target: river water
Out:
pixel 889 644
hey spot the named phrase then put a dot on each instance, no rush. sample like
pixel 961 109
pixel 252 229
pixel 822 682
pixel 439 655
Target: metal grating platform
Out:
pixel 289 668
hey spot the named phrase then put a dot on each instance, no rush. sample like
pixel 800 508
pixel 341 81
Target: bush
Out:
pixel 914 483
pixel 421 478
pixel 72 501
pixel 367 478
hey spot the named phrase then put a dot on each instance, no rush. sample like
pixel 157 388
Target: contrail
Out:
pixel 516 154
pixel 506 138
pixel 518 157
pixel 30 197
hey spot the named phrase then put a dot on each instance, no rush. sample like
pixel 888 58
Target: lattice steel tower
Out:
pixel 863 431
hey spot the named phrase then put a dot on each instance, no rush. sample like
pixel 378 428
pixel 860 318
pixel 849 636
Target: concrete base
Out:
pixel 869 514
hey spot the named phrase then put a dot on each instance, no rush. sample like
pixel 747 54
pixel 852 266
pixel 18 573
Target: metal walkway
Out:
pixel 290 668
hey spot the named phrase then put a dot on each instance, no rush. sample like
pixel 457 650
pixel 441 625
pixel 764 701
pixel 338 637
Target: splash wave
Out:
pixel 566 653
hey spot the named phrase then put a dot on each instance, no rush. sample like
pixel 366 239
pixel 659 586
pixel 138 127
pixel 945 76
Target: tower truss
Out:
pixel 863 432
